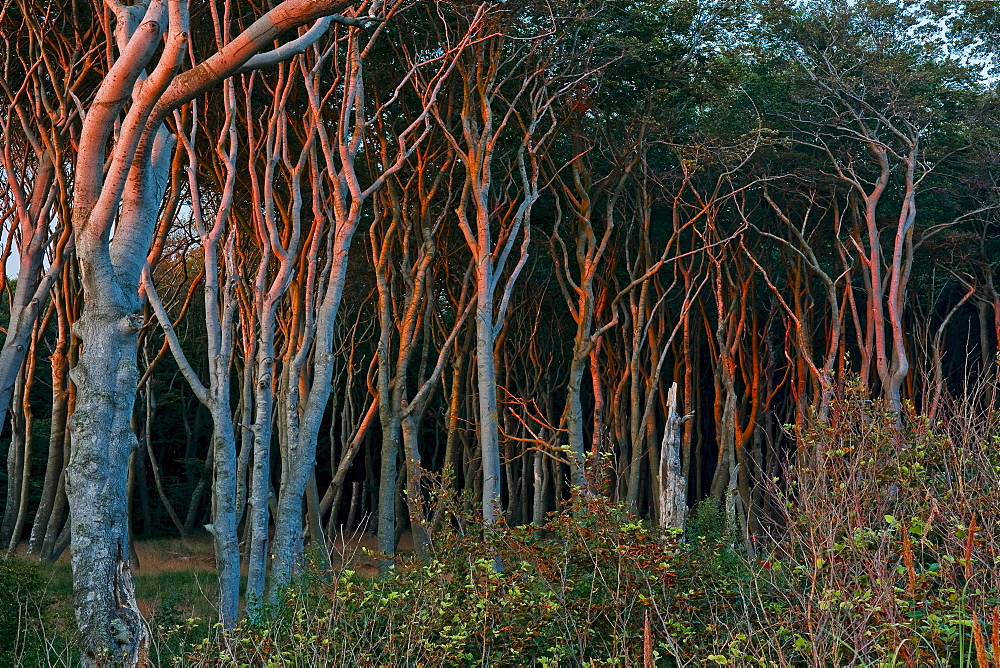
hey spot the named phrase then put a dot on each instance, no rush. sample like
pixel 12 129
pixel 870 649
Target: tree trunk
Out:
pixel 574 414
pixel 15 467
pixel 27 418
pixel 489 436
pixel 260 485
pixel 387 487
pixel 111 627
pixel 57 434
pixel 671 479
pixel 539 478
pixel 224 511
pixel 414 491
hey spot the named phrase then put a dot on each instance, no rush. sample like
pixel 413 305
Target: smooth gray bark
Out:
pixel 26 417
pixel 16 457
pixel 96 483
pixel 260 476
pixel 32 289
pixel 387 488
pixel 124 194
pixel 304 410
pixel 489 434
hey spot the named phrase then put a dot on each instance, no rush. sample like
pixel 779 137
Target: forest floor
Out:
pixel 177 577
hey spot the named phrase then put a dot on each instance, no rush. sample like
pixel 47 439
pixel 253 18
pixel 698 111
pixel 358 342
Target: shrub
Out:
pixel 588 590
pixel 888 549
pixel 884 550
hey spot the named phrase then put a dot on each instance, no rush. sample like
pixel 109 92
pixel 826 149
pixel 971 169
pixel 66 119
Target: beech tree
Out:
pixel 405 249
pixel 507 91
pixel 126 117
pixel 220 309
pixel 885 113
pixel 40 125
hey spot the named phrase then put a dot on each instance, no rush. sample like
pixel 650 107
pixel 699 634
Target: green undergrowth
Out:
pixel 598 587
pixel 883 551
pixel 20 583
pixel 37 626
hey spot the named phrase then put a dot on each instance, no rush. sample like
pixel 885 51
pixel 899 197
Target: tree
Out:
pixel 126 198
pixel 870 107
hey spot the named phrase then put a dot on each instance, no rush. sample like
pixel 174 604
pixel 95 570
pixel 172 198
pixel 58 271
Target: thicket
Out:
pixel 886 552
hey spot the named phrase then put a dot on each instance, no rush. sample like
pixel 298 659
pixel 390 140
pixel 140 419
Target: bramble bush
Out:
pixel 883 552
pixel 598 586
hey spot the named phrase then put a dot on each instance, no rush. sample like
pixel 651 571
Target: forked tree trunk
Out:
pixel 32 286
pixel 307 402
pixel 124 194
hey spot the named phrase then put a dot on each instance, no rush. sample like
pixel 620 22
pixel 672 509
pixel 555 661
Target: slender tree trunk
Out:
pixel 57 434
pixel 260 485
pixel 15 466
pixel 539 479
pixel 489 435
pixel 414 492
pixel 56 520
pixel 32 287
pixel 225 516
pixel 387 487
pixel 574 415
pixel 27 418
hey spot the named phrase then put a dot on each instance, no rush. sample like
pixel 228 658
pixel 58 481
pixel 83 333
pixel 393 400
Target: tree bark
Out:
pixel 672 482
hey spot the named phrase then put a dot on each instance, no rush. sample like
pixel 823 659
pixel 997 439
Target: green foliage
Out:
pixel 883 553
pixel 579 593
pixel 889 546
pixel 706 522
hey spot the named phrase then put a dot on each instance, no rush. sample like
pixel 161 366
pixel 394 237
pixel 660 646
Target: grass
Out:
pixel 176 577
pixel 175 582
